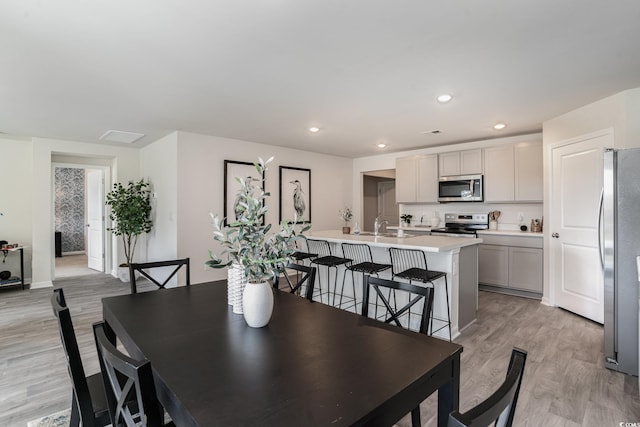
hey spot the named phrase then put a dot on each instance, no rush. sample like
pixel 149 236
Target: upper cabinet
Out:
pixel 468 162
pixel 513 173
pixel 417 179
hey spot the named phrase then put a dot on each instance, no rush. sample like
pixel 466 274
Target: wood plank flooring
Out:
pixel 565 382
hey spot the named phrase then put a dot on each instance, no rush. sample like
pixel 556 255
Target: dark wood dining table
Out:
pixel 312 365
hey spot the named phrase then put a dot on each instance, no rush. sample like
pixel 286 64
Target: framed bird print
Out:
pixel 233 170
pixel 295 194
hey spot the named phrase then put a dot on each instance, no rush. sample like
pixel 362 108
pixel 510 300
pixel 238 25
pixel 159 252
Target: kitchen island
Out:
pixel 458 257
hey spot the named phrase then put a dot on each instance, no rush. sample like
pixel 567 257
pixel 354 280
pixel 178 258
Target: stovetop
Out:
pixel 463 223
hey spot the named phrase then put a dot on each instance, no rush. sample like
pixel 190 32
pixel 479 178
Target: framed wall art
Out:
pixel 233 170
pixel 295 194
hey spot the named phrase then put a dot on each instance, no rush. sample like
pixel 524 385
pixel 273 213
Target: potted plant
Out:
pixel 346 215
pixel 406 218
pixel 249 244
pixel 131 216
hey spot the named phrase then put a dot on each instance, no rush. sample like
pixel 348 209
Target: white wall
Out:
pixel 200 190
pixel 159 165
pixel 125 166
pixel 16 202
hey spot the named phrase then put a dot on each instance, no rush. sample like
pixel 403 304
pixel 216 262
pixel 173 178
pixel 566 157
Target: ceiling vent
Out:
pixel 120 136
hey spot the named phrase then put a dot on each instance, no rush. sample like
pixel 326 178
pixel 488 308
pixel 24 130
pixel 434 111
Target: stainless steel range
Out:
pixel 462 225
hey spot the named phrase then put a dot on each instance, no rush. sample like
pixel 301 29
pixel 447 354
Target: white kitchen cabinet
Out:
pixel 511 264
pixel 525 269
pixel 528 171
pixel 417 179
pixel 513 173
pixel 499 174
pixel 493 265
pixel 468 162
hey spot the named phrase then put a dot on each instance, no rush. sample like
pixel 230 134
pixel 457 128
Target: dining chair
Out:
pixel 143 267
pixel 411 265
pixel 88 402
pixel 413 295
pixel 129 385
pixel 305 280
pixel 327 259
pixel 500 407
pixel 361 261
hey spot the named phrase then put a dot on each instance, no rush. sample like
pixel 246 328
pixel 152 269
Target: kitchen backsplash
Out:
pixel 508 219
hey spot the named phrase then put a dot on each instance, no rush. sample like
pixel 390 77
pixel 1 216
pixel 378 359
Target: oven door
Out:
pixel 466 188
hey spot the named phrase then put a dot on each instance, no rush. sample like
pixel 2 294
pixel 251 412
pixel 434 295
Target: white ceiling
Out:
pixel 364 71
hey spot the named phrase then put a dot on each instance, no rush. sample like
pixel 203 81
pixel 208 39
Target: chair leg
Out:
pixel 446 289
pixel 75 414
pixel 415 417
pixel 344 275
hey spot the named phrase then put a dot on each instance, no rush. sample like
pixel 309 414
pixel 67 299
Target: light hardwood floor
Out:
pixel 565 382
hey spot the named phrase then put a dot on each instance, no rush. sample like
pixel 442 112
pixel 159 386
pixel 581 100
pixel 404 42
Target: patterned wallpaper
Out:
pixel 69 208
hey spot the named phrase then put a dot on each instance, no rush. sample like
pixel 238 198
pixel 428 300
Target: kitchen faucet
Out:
pixel 377 224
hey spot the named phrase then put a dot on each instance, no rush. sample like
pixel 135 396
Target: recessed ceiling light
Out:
pixel 499 126
pixel 444 98
pixel 381 145
pixel 314 129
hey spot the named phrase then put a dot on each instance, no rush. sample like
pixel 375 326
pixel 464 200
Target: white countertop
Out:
pixel 425 243
pixel 516 233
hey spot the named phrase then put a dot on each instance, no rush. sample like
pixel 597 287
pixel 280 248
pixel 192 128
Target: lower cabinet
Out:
pixel 512 269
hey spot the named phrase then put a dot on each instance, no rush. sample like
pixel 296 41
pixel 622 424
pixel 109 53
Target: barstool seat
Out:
pixel 327 259
pixel 411 264
pixel 362 262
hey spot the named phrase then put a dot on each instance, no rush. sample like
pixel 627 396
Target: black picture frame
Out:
pixel 288 187
pixel 232 170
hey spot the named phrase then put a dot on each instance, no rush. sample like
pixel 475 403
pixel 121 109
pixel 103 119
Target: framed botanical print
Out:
pixel 295 194
pixel 233 170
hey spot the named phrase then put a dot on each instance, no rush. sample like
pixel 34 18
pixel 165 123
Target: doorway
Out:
pixel 379 197
pixel 79 221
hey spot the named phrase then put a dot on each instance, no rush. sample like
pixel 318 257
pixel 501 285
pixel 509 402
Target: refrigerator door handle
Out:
pixel 600 229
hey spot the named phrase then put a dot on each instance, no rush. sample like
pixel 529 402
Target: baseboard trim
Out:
pixel 41 285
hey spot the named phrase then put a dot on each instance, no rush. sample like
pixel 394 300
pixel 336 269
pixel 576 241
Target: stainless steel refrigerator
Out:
pixel 620 245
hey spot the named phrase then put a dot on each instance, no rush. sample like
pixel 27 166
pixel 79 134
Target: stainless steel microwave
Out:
pixel 463 188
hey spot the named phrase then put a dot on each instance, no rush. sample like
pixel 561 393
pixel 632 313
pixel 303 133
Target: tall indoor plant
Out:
pixel 131 216
pixel 249 243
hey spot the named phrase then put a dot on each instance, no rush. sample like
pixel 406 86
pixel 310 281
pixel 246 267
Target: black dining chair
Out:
pixel 326 258
pixel 129 385
pixel 500 407
pixel 143 268
pixel 413 295
pixel 88 403
pixel 362 262
pixel 305 280
pixel 411 265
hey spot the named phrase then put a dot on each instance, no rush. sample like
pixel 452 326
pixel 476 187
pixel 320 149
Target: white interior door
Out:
pixel 576 184
pixel 387 201
pixel 95 219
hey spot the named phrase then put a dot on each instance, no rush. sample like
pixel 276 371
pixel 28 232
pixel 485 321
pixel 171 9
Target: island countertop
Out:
pixel 409 241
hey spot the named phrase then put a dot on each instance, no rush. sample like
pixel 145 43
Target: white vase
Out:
pixel 235 286
pixel 123 274
pixel 257 304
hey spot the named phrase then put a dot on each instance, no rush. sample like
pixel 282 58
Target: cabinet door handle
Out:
pixel 555 235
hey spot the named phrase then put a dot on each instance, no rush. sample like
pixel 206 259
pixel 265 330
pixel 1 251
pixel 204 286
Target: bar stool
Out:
pixel 411 264
pixel 361 261
pixel 326 259
pixel 302 253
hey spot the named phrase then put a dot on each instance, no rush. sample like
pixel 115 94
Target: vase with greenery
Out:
pixel 130 213
pixel 346 215
pixel 249 243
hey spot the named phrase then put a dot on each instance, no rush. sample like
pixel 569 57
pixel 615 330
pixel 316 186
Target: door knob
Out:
pixel 555 235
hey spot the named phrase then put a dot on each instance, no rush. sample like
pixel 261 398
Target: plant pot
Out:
pixel 235 286
pixel 123 274
pixel 346 230
pixel 257 304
